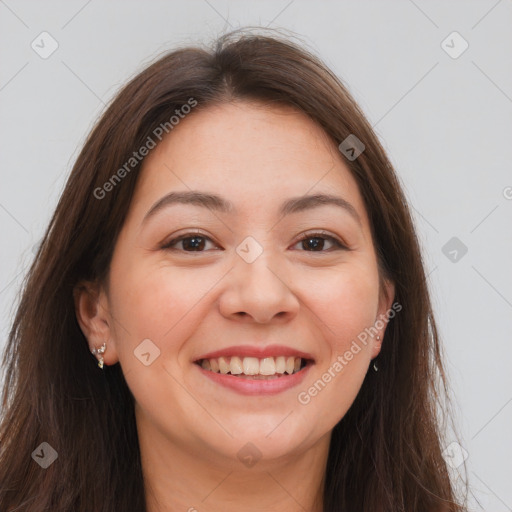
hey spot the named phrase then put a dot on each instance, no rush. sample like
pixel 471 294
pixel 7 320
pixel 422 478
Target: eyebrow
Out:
pixel 218 203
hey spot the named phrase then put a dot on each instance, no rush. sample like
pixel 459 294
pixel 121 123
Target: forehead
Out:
pixel 248 152
pixel 245 130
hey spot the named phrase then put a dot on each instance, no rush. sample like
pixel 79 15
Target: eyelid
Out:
pixel 339 244
pixel 320 233
pixel 188 234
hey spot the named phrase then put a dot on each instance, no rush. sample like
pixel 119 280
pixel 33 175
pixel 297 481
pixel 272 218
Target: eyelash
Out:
pixel 338 245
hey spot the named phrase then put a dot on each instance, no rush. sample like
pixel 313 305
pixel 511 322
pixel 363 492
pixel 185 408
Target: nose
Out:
pixel 258 291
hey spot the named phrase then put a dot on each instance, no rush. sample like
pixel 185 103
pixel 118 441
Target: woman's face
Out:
pixel 278 275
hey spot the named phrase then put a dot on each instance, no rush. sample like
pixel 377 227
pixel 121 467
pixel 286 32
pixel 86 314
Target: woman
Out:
pixel 234 249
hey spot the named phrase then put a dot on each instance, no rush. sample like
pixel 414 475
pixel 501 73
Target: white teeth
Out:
pixel 214 365
pixel 235 366
pixel 268 366
pixel 280 364
pixel 223 365
pixel 252 366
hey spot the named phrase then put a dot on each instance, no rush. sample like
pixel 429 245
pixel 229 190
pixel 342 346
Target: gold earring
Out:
pixel 100 351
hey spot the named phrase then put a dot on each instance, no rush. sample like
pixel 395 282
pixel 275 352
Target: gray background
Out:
pixel 446 123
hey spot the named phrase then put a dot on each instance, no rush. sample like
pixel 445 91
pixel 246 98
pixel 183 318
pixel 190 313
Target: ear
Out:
pixel 93 316
pixel 385 312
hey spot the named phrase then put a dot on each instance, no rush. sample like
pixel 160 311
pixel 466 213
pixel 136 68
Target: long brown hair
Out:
pixel 385 453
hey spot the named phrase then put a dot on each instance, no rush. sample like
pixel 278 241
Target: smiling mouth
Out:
pixel 252 368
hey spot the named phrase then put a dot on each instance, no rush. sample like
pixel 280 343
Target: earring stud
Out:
pixel 100 351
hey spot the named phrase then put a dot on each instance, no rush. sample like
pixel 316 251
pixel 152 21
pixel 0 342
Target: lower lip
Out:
pixel 257 387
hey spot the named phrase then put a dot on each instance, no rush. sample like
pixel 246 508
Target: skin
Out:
pixel 190 303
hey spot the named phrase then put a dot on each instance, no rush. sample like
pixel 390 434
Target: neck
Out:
pixel 180 478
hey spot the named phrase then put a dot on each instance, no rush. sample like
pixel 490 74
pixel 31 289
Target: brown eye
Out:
pixel 189 243
pixel 196 242
pixel 315 242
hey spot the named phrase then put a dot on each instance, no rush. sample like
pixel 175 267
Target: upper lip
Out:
pixel 256 351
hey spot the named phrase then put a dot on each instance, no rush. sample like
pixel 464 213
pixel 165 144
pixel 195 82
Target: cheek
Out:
pixel 156 303
pixel 346 302
pixel 162 305
pixel 346 306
